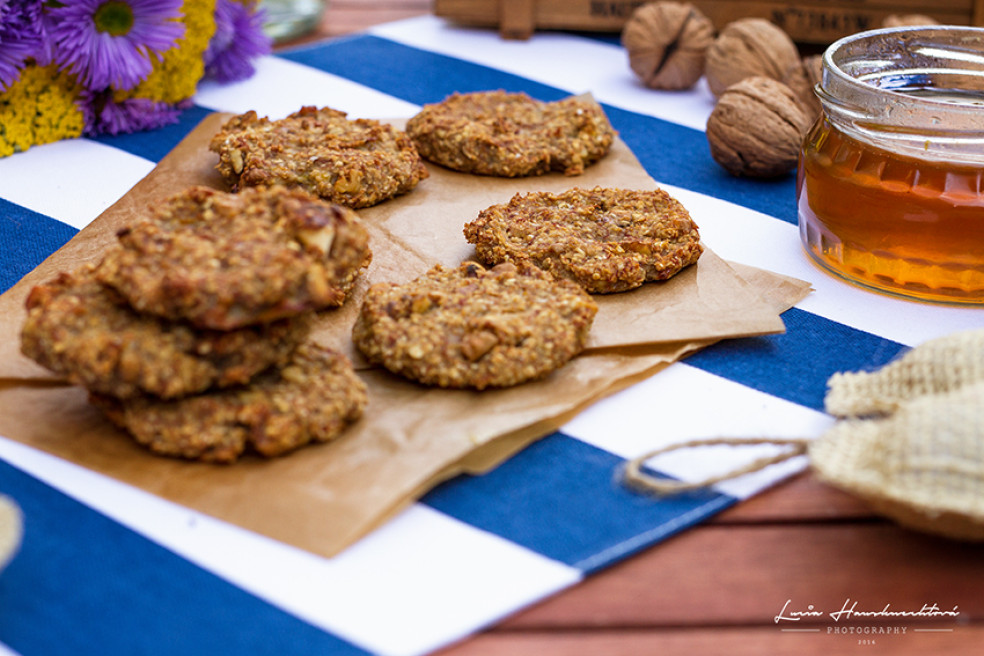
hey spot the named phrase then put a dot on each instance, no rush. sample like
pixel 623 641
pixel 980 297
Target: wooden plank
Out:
pixel 746 641
pixel 743 575
pixel 806 22
pixel 348 16
pixel 516 18
pixel 825 22
pixel 801 499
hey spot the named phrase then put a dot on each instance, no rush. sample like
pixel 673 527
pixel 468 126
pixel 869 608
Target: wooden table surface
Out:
pixel 717 588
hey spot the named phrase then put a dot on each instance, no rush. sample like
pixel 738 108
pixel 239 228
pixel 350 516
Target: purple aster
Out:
pixel 103 115
pixel 111 43
pixel 21 37
pixel 238 39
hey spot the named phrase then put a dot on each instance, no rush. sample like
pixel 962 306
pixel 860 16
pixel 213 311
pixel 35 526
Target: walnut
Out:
pixel 803 77
pixel 908 20
pixel 667 42
pixel 756 128
pixel 747 47
pixel 476 344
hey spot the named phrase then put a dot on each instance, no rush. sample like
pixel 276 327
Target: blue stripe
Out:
pixel 153 145
pixel 670 153
pixel 677 155
pixel 26 239
pixel 795 365
pixel 560 497
pixel 83 584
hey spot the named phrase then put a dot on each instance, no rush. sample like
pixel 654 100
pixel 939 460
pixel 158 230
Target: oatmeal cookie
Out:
pixel 83 330
pixel 472 327
pixel 314 398
pixel 356 163
pixel 224 261
pixel 511 135
pixel 606 240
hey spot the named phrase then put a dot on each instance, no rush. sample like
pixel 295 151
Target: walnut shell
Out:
pixel 802 77
pixel 908 20
pixel 666 43
pixel 756 128
pixel 747 47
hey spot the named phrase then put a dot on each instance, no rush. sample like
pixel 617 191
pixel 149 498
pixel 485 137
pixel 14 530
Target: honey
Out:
pixel 890 222
pixel 890 187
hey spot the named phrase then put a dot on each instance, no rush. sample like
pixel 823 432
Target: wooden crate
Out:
pixel 811 21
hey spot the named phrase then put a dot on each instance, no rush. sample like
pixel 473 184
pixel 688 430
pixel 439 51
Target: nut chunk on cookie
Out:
pixel 312 399
pixel 511 135
pixel 605 240
pixel 356 163
pixel 83 330
pixel 472 327
pixel 224 261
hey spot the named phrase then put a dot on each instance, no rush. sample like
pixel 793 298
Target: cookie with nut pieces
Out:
pixel 511 134
pixel 356 163
pixel 472 327
pixel 605 240
pixel 313 398
pixel 84 331
pixel 221 260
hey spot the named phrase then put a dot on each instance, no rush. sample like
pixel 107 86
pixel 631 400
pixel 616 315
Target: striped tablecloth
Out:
pixel 107 569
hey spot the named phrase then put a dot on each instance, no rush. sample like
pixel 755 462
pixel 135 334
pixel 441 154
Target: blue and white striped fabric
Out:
pixel 106 569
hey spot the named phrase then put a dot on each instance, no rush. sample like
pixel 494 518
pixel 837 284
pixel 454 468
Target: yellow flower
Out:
pixel 39 108
pixel 176 76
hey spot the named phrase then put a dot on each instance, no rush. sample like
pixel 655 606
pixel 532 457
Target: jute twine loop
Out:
pixel 635 477
pixel 909 440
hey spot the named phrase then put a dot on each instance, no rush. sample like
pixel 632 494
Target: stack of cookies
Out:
pixel 191 332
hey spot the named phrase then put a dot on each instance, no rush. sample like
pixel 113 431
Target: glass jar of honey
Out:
pixel 890 184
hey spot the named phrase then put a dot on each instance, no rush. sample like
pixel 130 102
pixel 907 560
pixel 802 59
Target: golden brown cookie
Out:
pixel 472 327
pixel 511 135
pixel 222 261
pixel 356 163
pixel 83 330
pixel 312 399
pixel 606 240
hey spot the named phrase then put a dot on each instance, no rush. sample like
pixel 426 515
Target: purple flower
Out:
pixel 238 39
pixel 111 43
pixel 21 37
pixel 103 115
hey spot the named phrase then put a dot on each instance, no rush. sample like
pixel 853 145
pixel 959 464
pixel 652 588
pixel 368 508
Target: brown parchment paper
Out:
pixel 325 497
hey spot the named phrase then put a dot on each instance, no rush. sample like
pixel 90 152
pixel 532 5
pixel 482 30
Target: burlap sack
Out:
pixel 939 365
pixel 910 441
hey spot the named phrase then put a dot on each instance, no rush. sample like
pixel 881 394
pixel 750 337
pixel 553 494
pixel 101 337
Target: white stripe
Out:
pixel 684 403
pixel 575 64
pixel 72 181
pixel 280 87
pixel 422 580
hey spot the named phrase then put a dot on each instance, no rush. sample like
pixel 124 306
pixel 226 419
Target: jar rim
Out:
pixel 913 87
